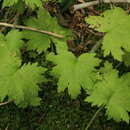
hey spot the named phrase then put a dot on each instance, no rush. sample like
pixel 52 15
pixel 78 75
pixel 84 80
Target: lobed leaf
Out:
pixel 112 92
pixel 73 72
pixel 18 83
pixel 38 41
pixel 115 23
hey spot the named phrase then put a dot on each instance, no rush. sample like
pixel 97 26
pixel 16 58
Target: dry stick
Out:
pixel 4 103
pixel 6 128
pixel 87 4
pixel 31 29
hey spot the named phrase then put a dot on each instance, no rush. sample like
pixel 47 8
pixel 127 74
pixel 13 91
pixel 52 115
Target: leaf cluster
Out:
pixel 19 82
pixel 105 88
pixel 44 21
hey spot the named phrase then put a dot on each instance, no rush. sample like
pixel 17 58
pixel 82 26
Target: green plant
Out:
pixel 74 72
pixel 14 82
pixel 107 89
pixel 46 22
pixel 30 3
pixel 112 92
pixel 104 86
pixel 22 79
pixel 116 39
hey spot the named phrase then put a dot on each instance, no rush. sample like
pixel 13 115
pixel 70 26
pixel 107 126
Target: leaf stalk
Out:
pixel 93 118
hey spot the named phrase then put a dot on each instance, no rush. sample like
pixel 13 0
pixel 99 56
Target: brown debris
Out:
pixel 84 37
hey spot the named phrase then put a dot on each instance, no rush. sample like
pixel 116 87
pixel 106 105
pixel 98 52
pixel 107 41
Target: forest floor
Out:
pixel 59 111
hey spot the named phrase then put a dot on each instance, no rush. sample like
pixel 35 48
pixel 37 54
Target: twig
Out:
pixel 93 118
pixel 87 4
pixel 4 103
pixel 6 127
pixel 31 29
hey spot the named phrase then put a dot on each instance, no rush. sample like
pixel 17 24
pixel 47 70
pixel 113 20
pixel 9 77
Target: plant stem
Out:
pixel 96 46
pixel 93 118
pixel 31 29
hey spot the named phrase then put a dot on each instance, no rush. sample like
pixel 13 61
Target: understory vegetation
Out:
pixel 64 66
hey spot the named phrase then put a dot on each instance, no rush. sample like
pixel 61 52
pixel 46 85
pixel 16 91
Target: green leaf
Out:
pixel 126 58
pixel 33 3
pixel 30 3
pixel 74 72
pixel 115 23
pixel 21 83
pixel 18 83
pixel 38 41
pixel 113 93
pixel 12 42
pixel 9 2
pixel 61 45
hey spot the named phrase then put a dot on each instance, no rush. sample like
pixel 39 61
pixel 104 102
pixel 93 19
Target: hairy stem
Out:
pixel 93 118
pixel 31 29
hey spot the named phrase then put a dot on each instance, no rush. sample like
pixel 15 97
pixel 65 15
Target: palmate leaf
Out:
pixel 115 23
pixel 21 85
pixel 12 42
pixel 40 42
pixel 18 83
pixel 74 72
pixel 113 93
pixel 30 3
